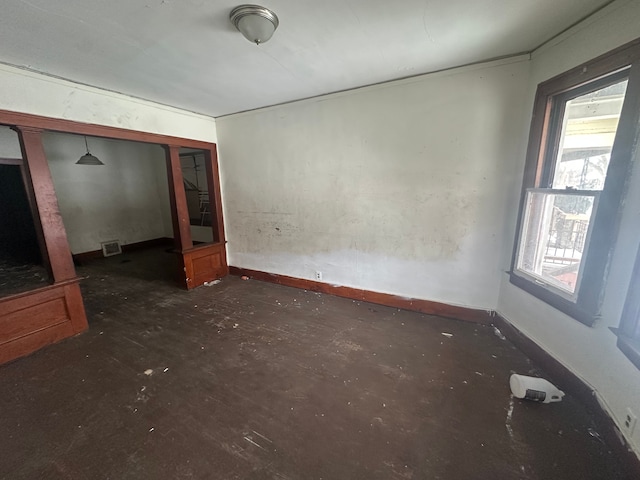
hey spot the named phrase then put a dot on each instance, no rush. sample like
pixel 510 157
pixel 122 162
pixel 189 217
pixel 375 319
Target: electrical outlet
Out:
pixel 318 275
pixel 630 421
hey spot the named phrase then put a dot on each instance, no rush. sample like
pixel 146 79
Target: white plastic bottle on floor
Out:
pixel 533 388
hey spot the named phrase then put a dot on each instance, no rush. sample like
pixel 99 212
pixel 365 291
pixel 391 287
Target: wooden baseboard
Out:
pixel 80 258
pixel 571 384
pixel 155 242
pixel 484 317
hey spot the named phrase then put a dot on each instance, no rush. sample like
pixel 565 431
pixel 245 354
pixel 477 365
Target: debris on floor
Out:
pixel 273 376
pixel 595 435
pixel 448 335
pixel 533 388
pixel 507 422
pixel 212 283
pixel 498 333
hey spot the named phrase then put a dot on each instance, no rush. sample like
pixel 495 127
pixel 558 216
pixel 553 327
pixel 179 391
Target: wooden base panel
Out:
pixel 204 263
pixel 484 317
pixel 32 320
pixel 80 258
pixel 571 384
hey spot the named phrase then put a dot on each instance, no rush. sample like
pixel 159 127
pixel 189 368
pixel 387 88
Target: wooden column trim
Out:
pixel 215 197
pixel 178 199
pixel 69 126
pixel 49 225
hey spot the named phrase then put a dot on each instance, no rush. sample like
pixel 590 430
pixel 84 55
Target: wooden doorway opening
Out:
pixel 40 316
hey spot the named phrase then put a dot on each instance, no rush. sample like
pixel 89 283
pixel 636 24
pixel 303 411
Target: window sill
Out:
pixel 631 348
pixel 555 300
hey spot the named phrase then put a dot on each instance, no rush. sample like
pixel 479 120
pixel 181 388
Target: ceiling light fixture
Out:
pixel 256 23
pixel 87 158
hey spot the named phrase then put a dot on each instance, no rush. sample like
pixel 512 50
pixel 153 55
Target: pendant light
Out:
pixel 87 158
pixel 256 23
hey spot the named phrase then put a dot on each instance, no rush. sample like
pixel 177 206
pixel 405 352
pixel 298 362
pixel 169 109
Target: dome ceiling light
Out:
pixel 256 23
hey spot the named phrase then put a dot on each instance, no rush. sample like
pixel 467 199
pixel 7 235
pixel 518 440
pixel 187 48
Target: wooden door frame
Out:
pixel 19 334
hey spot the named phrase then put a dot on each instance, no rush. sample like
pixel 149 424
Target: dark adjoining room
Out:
pixel 320 240
pixel 21 265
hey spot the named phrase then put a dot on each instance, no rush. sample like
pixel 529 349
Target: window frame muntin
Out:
pixel 565 294
pixel 587 307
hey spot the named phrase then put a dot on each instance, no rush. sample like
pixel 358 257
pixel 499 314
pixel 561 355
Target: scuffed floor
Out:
pixel 249 380
pixel 17 277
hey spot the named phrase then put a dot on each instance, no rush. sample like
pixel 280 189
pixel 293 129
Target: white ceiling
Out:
pixel 186 53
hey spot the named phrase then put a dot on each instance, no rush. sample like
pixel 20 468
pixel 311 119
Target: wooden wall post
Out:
pixel 215 197
pixel 51 232
pixel 178 199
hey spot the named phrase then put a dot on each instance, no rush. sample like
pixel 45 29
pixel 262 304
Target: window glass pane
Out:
pixel 554 237
pixel 588 131
pixel 196 187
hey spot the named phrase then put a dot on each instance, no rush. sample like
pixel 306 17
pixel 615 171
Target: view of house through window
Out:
pixel 588 132
pixel 558 215
pixel 554 237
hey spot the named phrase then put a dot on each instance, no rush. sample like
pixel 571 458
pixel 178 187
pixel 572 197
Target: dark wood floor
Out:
pixel 18 276
pixel 249 380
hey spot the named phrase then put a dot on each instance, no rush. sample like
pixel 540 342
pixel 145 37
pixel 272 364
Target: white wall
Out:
pixel 28 92
pixel 589 352
pixel 9 143
pixel 126 199
pixel 395 188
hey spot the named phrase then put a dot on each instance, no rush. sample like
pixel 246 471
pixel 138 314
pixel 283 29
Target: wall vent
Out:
pixel 111 248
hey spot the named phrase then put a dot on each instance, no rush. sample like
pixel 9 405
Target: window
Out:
pixel 578 161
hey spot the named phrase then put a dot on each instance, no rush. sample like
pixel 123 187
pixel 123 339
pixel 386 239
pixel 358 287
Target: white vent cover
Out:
pixel 111 248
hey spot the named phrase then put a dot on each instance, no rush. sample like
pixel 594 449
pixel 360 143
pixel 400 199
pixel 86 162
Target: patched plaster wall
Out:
pixel 396 188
